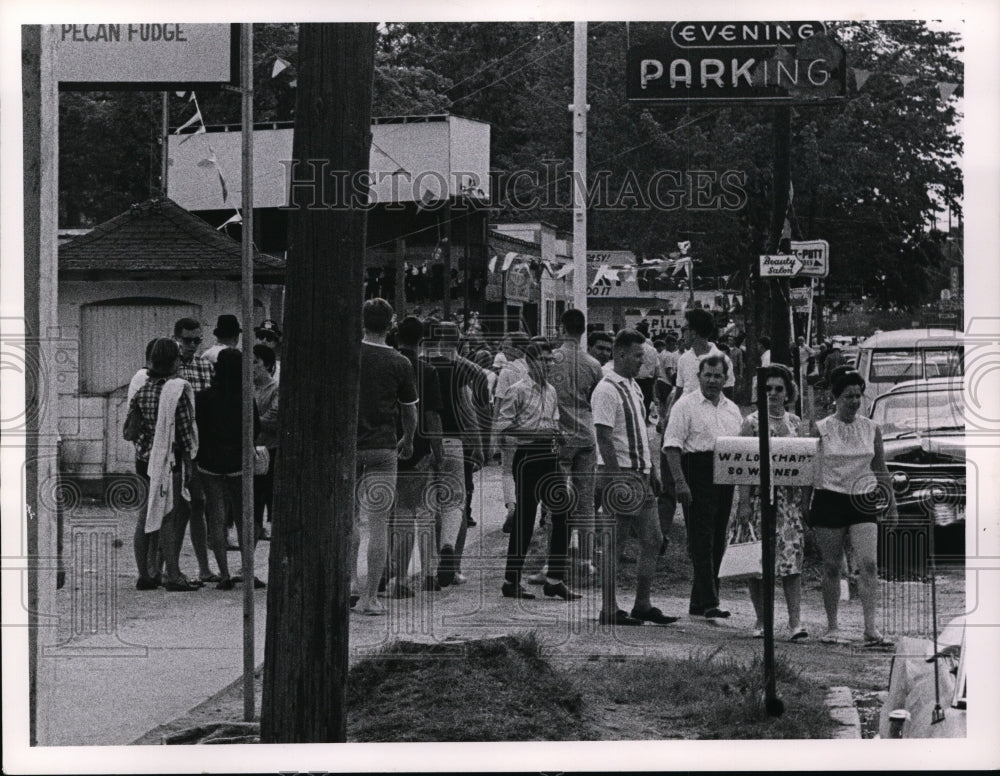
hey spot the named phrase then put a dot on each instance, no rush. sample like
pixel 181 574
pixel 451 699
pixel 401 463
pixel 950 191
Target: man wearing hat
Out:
pixel 227 335
pixel 269 334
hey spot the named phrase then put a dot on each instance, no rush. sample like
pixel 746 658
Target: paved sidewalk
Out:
pixel 160 654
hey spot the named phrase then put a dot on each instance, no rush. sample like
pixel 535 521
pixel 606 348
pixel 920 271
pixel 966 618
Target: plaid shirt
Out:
pixel 198 371
pixel 148 401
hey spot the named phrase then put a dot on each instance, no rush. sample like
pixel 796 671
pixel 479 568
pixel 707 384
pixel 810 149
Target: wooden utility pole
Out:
pixel 305 656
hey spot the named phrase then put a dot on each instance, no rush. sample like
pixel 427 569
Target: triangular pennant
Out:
pixel 508 260
pixel 906 80
pixel 684 264
pixel 565 270
pixel 548 268
pixel 791 192
pixel 493 264
pixel 195 118
pixel 181 94
pixel 860 76
pixel 946 89
pixel 201 130
pixel 685 246
pixel 236 219
pixel 294 82
pixel 786 230
pixel 279 65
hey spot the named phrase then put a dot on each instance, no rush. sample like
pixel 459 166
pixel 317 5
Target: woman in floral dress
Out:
pixel 790 530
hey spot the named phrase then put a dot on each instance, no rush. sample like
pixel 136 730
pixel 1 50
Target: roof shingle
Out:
pixel 159 236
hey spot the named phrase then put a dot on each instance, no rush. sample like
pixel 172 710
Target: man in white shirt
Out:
pixel 697 420
pixel 629 478
pixel 513 371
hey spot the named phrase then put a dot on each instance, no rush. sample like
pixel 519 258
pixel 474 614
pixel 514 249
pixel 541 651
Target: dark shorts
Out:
pixel 842 510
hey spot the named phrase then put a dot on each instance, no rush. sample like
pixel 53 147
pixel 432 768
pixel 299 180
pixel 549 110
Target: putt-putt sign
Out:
pixel 159 55
pixel 738 62
pixel 780 266
pixel 737 461
pixel 815 257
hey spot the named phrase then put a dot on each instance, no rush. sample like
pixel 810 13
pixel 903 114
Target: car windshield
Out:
pixel 921 410
pixel 895 366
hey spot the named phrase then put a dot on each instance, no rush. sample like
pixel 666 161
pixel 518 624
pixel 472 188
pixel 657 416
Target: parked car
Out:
pixel 923 433
pixel 891 357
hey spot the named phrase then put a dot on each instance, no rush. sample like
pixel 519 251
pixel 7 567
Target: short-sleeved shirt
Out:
pixel 454 376
pixel 667 369
pixel 575 374
pixel 617 402
pixel 695 423
pixel 387 380
pixel 512 372
pixel 530 408
pixel 198 371
pixel 650 362
pixel 687 369
pixel 846 452
pixel 429 393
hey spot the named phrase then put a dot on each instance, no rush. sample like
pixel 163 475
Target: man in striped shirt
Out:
pixel 629 478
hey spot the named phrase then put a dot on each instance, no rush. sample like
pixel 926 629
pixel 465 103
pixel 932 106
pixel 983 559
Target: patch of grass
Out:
pixel 501 689
pixel 713 696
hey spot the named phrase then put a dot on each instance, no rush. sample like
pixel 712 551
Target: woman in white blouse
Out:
pixel 850 494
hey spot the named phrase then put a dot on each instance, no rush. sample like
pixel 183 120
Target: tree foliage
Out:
pixel 868 173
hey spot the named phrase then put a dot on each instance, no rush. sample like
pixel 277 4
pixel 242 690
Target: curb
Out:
pixel 841 704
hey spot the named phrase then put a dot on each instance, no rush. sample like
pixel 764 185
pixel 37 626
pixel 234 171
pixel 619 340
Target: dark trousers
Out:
pixel 706 520
pixel 537 479
pixel 667 500
pixel 263 494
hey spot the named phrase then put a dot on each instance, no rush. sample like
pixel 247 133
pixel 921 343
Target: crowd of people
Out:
pixel 598 436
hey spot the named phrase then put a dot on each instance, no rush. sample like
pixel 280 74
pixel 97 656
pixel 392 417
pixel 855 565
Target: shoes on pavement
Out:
pixel 259 584
pixel 715 613
pixel 621 617
pixel 209 578
pixel 510 590
pixel 653 615
pixel 559 590
pixel 225 584
pixel 446 566
pixel 539 578
pixel 180 587
pixel 799 634
pixel 758 633
pixel 469 522
pixel 146 583
pixel 460 578
pixel 372 608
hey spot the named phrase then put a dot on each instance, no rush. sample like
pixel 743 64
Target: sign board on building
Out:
pixel 737 461
pixel 783 62
pixel 151 56
pixel 815 257
pixel 799 298
pixel 779 266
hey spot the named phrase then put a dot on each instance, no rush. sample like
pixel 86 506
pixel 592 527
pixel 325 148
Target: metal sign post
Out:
pixel 246 71
pixel 774 706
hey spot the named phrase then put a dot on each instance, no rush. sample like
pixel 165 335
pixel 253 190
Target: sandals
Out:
pixel 799 634
pixel 180 587
pixel 875 642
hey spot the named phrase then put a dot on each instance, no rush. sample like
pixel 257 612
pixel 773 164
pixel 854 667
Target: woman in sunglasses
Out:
pixel 852 490
pixel 790 530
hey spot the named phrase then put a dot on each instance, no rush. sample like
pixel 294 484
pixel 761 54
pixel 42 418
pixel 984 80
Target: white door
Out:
pixel 113 338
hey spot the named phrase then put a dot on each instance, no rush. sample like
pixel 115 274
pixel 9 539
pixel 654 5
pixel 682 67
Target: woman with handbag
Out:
pixel 790 530
pixel 220 457
pixel 852 490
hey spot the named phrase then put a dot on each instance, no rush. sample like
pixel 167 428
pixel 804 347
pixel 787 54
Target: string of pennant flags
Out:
pixel 677 262
pixel 945 88
pixel 197 121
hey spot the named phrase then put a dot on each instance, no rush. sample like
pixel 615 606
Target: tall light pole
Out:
pixel 579 108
